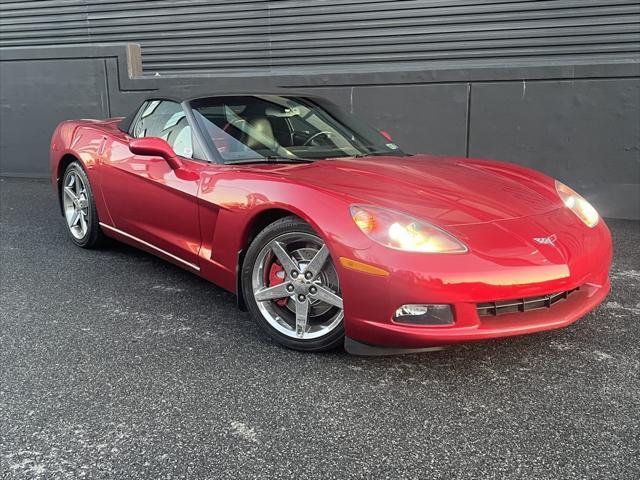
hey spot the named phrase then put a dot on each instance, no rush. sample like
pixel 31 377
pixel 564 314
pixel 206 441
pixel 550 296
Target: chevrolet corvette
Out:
pixel 325 229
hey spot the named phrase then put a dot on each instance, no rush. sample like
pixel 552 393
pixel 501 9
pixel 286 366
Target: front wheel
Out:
pixel 291 287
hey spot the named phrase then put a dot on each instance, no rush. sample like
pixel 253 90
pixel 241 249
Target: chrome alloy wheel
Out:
pixel 75 202
pixel 305 301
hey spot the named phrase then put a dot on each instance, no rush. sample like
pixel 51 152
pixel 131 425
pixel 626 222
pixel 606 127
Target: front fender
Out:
pixel 230 206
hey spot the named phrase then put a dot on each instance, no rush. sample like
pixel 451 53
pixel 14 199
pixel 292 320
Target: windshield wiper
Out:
pixel 269 159
pixel 378 154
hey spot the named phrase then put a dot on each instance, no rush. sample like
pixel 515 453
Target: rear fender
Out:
pixel 74 142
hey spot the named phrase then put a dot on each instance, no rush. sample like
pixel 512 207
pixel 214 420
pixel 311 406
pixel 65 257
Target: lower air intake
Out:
pixel 522 304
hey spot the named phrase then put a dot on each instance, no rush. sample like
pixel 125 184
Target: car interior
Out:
pixel 254 127
pixel 276 126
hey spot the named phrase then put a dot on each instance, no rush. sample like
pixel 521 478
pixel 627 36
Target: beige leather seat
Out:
pixel 260 134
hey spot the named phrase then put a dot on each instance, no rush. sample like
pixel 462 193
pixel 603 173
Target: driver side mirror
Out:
pixel 155 147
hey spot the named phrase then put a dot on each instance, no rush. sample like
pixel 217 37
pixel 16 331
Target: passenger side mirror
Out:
pixel 155 147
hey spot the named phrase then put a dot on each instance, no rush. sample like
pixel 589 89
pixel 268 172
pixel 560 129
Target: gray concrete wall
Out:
pixel 578 122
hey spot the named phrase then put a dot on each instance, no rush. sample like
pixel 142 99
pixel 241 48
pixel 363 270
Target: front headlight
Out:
pixel 402 232
pixel 577 204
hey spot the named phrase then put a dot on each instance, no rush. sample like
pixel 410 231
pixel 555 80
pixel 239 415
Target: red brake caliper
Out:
pixel 276 277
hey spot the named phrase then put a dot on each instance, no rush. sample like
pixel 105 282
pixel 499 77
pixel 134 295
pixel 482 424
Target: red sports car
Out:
pixel 325 229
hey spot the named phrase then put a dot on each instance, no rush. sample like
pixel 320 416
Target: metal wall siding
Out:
pixel 268 36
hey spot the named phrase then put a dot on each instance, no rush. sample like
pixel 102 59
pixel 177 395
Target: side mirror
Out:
pixel 155 147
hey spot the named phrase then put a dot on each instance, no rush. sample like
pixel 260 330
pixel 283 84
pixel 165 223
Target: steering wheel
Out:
pixel 316 135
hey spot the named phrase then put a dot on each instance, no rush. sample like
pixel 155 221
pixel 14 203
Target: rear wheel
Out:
pixel 79 208
pixel 291 287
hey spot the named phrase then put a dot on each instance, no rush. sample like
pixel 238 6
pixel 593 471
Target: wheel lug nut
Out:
pixel 308 275
pixel 294 274
pixel 313 290
pixel 290 288
pixel 301 298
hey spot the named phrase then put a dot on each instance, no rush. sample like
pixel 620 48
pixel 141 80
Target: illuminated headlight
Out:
pixel 402 232
pixel 577 204
pixel 424 314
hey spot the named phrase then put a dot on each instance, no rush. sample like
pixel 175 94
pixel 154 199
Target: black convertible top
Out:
pixel 182 93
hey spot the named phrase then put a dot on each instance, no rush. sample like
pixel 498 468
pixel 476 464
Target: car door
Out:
pixel 146 198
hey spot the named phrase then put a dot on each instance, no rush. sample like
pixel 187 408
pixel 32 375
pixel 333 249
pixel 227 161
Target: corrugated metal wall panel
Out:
pixel 267 36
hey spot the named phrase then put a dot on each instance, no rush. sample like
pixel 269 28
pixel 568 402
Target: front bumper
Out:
pixel 499 270
pixel 471 327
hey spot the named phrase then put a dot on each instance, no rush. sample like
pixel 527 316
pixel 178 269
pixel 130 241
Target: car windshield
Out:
pixel 271 127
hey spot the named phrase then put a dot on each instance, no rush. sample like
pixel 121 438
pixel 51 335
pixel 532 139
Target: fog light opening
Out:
pixel 424 314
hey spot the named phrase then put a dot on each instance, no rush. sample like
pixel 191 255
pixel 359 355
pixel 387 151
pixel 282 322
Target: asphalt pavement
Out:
pixel 117 365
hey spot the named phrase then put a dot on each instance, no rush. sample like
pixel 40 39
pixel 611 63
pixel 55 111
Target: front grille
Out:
pixel 522 304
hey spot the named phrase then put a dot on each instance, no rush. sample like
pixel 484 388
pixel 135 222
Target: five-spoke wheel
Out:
pixel 292 287
pixel 78 207
pixel 75 204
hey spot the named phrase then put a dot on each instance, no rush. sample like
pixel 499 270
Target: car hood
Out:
pixel 444 190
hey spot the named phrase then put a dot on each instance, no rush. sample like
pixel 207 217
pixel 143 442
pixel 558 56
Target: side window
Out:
pixel 165 119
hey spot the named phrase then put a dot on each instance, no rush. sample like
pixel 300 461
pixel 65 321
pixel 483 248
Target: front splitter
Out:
pixel 354 347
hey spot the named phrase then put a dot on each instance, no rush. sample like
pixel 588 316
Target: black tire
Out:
pixel 93 238
pixel 331 340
